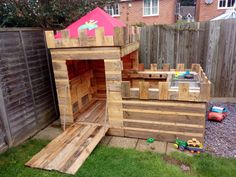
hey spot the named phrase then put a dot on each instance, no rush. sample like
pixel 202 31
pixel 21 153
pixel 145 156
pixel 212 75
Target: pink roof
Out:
pixel 97 17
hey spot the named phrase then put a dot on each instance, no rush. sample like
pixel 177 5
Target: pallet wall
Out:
pixel 160 111
pixel 164 120
pixel 156 84
pixel 111 57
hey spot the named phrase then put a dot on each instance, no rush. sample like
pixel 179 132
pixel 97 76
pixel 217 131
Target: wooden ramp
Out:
pixel 68 151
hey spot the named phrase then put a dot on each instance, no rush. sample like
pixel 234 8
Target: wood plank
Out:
pixel 167 107
pixel 153 67
pixel 183 91
pixel 180 67
pixel 86 152
pixel 116 131
pixel 166 67
pixel 83 38
pixel 143 90
pixel 45 152
pixel 50 39
pixel 86 53
pixel 187 119
pixel 162 112
pixel 125 89
pixel 166 126
pixel 118 37
pixel 94 113
pixel 129 48
pixel 113 65
pixel 205 91
pixel 161 135
pixel 164 90
pixel 166 103
pixel 68 151
pixel 99 35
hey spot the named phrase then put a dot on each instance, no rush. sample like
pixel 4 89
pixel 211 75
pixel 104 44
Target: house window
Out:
pixel 150 7
pixel 222 4
pixel 113 10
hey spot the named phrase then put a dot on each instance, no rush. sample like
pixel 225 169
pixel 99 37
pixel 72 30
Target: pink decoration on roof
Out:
pixel 92 20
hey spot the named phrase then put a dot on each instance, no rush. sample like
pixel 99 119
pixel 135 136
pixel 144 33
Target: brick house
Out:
pixel 209 9
pixel 144 11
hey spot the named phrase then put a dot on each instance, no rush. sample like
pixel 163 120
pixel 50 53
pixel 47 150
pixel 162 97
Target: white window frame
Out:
pixel 113 10
pixel 226 3
pixel 151 14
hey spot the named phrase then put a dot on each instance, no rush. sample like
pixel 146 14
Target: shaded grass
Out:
pixel 115 162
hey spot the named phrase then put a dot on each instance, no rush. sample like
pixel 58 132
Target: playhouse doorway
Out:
pixel 88 90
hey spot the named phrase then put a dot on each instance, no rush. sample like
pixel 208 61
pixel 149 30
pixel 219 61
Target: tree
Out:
pixel 48 14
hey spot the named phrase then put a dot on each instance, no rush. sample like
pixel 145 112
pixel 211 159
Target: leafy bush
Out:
pixel 48 14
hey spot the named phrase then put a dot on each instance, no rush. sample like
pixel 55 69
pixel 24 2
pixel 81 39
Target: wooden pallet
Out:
pixel 162 120
pixel 68 151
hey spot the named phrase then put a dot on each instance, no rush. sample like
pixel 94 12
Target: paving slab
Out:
pixel 123 142
pixel 156 146
pixel 48 133
pixel 170 148
pixel 105 140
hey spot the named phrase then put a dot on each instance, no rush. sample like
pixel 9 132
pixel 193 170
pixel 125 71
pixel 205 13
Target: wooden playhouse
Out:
pixel 102 88
pixel 92 71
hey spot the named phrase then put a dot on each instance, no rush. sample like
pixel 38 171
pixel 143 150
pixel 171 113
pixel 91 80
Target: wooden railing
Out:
pixel 164 91
pixel 121 37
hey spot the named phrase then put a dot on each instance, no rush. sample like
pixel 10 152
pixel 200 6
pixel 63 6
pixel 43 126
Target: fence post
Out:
pixel 3 116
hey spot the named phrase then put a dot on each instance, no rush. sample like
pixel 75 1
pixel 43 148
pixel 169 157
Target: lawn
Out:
pixel 115 162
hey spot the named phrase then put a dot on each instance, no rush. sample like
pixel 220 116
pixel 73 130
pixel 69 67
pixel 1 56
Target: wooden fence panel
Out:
pixel 3 144
pixel 28 102
pixel 211 44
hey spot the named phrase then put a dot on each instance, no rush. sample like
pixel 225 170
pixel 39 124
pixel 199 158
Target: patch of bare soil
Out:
pixel 183 167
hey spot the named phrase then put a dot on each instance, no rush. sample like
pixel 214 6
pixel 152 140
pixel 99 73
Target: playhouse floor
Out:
pixel 69 150
pixel 94 113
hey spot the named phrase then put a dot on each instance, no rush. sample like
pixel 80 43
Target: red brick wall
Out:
pixel 134 14
pixel 206 12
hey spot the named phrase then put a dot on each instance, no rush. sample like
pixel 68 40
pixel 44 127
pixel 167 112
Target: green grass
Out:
pixel 115 162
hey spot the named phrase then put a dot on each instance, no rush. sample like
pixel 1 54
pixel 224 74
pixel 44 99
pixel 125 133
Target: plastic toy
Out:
pixel 218 109
pixel 150 140
pixel 195 149
pixel 217 113
pixel 186 75
pixel 180 144
pixel 192 145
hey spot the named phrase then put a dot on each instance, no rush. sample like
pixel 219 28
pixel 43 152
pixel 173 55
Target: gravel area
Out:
pixel 220 137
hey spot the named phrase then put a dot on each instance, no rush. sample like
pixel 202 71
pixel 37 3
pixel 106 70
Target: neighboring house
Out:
pixel 187 13
pixel 209 9
pixel 144 11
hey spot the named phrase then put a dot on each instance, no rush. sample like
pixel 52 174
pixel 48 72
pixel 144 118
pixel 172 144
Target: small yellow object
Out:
pixel 176 74
pixel 200 146
pixel 176 146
